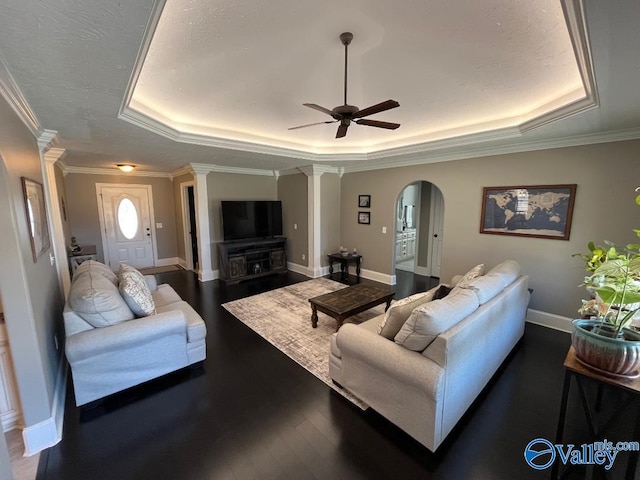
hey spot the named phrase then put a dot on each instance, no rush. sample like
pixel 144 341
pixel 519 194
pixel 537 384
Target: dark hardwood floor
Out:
pixel 252 413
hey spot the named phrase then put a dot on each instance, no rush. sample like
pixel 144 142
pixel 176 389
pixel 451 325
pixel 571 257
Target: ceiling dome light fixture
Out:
pixel 126 167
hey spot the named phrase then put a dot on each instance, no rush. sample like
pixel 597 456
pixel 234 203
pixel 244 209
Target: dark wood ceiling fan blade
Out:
pixel 380 107
pixel 311 124
pixel 378 123
pixel 342 130
pixel 318 108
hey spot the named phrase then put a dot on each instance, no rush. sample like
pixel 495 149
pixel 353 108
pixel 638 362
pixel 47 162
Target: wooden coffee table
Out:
pixel 349 301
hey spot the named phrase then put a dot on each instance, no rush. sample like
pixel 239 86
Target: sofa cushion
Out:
pixel 475 272
pixel 431 319
pixel 97 267
pixel 399 311
pixel 508 271
pixel 97 300
pixel 136 293
pixel 486 287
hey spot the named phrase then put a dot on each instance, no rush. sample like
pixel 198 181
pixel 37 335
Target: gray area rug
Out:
pixel 283 318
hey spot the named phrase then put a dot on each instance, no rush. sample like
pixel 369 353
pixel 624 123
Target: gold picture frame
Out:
pixel 36 212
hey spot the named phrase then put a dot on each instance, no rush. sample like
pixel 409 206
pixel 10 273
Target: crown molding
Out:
pixel 47 140
pixel 184 170
pixel 480 151
pixel 316 170
pixel 205 168
pixel 149 32
pixel 574 13
pixel 575 18
pixel 113 171
pixel 53 155
pixel 11 92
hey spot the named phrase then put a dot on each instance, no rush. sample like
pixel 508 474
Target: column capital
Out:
pixel 47 140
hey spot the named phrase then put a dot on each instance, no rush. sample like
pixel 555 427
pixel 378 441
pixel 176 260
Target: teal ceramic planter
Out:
pixel 618 356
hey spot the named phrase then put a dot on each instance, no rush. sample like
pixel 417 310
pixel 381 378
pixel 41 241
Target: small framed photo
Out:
pixel 364 217
pixel 364 201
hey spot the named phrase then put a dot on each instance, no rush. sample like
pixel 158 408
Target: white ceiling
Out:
pixel 219 82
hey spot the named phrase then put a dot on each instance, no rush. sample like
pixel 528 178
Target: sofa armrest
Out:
pixel 125 335
pixel 151 282
pixel 385 356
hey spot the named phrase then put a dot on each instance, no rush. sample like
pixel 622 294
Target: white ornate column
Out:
pixel 205 272
pixel 50 156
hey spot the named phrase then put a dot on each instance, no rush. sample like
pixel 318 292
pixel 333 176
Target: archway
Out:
pixel 419 230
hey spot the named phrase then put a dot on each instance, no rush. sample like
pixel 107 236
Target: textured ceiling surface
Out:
pixel 244 68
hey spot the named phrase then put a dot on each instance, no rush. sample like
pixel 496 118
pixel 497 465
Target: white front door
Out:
pixel 126 223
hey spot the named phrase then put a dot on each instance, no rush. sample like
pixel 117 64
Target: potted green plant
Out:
pixel 605 341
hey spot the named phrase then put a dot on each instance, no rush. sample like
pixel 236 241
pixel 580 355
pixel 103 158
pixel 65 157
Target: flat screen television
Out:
pixel 244 219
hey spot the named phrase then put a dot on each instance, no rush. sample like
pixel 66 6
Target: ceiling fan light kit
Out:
pixel 346 113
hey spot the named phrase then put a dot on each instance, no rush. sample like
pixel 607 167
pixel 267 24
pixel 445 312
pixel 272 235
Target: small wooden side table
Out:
pixel 344 261
pixel 577 371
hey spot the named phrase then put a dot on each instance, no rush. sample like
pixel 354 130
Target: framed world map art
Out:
pixel 542 211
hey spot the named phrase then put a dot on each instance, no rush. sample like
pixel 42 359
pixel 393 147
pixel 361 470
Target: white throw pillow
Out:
pixel 135 292
pixel 97 300
pixel 475 272
pixel 399 311
pixel 428 321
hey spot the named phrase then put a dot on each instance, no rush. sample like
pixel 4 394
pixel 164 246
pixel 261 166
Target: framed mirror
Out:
pixel 36 216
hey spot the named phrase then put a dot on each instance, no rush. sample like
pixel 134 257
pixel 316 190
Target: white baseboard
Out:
pixel 377 276
pixel 182 262
pixel 549 320
pixel 163 262
pixel 301 269
pixel 208 275
pixel 49 432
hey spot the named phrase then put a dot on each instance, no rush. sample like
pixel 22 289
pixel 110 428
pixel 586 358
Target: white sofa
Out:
pixel 424 377
pixel 109 349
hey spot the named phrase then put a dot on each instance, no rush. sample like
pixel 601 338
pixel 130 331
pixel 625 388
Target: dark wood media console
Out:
pixel 245 259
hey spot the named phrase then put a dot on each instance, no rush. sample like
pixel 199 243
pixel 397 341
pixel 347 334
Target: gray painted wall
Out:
pixel 233 186
pixel 606 175
pixel 31 296
pixel 82 209
pixel 293 192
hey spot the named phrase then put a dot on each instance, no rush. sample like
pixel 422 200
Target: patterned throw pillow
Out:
pixel 399 311
pixel 135 291
pixel 475 272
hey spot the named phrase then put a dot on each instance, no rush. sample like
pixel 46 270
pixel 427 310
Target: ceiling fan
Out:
pixel 345 114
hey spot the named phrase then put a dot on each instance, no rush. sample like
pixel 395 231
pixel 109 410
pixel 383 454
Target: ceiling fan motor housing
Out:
pixel 344 111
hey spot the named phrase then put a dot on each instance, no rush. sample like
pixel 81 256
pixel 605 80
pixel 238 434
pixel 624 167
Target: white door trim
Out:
pixel 188 251
pixel 103 231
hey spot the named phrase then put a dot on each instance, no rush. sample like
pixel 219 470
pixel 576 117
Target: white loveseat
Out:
pixel 424 377
pixel 109 349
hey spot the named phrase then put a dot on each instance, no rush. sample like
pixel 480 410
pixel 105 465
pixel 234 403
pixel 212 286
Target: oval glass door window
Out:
pixel 128 218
